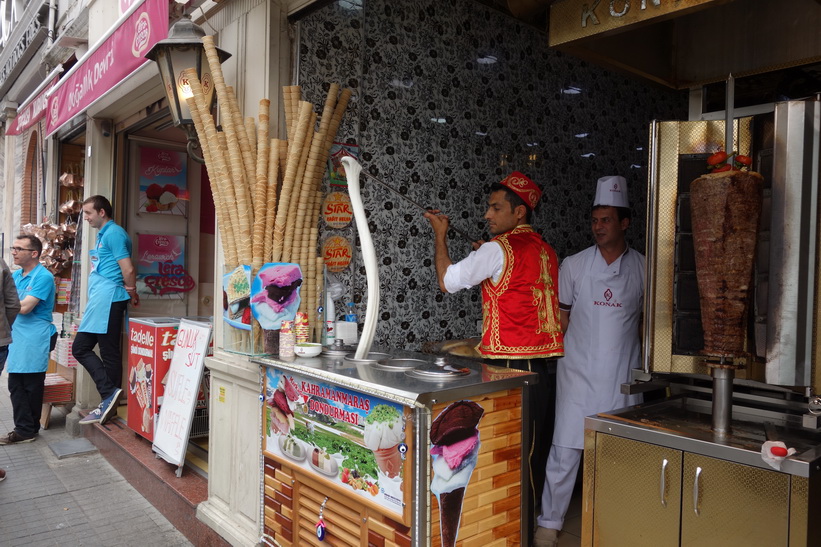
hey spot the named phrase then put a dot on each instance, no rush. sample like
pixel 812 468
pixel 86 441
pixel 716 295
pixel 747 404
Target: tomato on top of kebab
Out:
pixel 717 163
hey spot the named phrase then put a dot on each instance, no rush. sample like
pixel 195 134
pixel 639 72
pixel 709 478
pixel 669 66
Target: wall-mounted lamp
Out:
pixel 181 50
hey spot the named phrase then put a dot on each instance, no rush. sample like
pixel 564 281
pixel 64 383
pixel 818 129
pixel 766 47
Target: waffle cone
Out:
pixel 206 129
pixel 294 153
pixel 271 200
pixel 261 183
pixel 450 514
pixel 389 461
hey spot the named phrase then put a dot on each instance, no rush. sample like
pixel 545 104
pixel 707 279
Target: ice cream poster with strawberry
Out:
pixel 163 181
pixel 454 437
pixel 161 272
pixel 236 297
pixel 355 441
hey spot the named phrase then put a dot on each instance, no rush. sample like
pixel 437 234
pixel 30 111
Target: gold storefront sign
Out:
pixel 572 20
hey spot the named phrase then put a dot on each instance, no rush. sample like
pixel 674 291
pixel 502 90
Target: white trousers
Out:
pixel 560 479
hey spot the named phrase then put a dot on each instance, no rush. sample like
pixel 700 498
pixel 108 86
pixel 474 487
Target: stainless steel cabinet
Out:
pixel 726 504
pixel 639 493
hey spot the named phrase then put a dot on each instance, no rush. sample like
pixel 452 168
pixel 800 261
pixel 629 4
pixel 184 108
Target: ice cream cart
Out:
pixel 397 447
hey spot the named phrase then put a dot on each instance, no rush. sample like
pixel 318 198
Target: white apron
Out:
pixel 601 344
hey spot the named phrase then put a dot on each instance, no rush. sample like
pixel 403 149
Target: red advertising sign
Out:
pixel 105 67
pixel 31 112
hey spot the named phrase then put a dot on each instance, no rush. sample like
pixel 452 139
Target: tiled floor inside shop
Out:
pixel 571 535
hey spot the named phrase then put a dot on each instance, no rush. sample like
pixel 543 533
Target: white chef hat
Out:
pixel 612 191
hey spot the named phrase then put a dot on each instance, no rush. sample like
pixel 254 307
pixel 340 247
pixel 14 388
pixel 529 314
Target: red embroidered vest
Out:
pixel 520 312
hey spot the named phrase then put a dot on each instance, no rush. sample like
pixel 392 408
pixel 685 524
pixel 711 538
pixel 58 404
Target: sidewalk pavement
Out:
pixel 77 500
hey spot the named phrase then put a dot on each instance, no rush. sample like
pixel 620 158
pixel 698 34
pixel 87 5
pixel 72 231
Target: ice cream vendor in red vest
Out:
pixel 518 272
pixel 601 291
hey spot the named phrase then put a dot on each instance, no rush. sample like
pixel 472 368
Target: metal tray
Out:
pixel 401 364
pixel 437 373
pixel 372 357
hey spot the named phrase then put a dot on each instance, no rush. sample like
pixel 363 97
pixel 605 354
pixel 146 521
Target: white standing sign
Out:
pixel 182 385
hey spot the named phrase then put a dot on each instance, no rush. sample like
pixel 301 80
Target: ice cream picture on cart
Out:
pixel 356 441
pixel 454 437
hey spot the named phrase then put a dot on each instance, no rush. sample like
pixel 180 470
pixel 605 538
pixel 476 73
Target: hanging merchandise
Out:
pixel 58 243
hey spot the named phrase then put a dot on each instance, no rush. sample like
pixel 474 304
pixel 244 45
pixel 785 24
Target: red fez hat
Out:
pixel 524 188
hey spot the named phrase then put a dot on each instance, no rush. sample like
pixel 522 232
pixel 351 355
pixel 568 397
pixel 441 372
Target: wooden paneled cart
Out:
pixel 394 450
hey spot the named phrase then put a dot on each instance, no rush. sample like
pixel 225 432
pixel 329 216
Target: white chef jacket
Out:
pixel 601 344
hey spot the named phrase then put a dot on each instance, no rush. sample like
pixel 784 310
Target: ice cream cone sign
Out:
pixel 384 434
pixel 454 438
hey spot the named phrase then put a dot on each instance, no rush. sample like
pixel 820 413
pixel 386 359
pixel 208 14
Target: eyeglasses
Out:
pixel 19 249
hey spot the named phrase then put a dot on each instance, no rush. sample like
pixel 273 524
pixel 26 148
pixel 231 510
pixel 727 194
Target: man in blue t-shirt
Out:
pixel 32 333
pixel 112 284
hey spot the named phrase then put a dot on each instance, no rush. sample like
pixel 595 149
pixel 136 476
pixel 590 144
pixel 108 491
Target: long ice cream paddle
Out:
pixel 416 203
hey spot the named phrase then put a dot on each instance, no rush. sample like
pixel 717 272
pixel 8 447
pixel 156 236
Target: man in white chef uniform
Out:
pixel 601 291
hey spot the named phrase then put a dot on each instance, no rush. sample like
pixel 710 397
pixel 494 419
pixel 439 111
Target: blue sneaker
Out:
pixel 109 406
pixel 92 417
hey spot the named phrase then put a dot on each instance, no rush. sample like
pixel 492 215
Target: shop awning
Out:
pixel 108 63
pixel 34 107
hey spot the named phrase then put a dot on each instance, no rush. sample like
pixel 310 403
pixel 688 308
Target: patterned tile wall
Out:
pixel 449 97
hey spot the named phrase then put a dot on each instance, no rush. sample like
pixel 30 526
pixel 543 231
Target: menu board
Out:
pixel 355 443
pixel 182 386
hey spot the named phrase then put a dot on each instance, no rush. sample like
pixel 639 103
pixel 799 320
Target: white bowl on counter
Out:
pixel 307 349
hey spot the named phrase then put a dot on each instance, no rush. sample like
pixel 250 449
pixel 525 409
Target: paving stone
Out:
pixel 77 500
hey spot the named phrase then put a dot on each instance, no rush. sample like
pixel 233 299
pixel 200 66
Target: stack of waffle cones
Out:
pixel 267 191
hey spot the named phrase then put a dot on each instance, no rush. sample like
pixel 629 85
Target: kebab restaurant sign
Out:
pixel 102 69
pixel 572 20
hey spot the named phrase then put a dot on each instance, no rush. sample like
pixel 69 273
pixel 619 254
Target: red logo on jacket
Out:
pixel 608 295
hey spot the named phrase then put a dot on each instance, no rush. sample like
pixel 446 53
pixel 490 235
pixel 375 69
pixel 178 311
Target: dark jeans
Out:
pixel 106 370
pixel 26 394
pixel 4 353
pixel 542 414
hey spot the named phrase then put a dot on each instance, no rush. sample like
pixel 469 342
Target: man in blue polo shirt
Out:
pixel 112 284
pixel 31 333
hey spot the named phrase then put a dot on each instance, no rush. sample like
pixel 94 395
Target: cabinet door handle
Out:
pixel 663 485
pixel 695 490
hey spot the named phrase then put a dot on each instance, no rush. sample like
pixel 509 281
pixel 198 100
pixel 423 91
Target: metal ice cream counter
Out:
pixel 397 448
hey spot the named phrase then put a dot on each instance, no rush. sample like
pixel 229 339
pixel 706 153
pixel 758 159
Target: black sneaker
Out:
pixel 15 438
pixel 108 407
